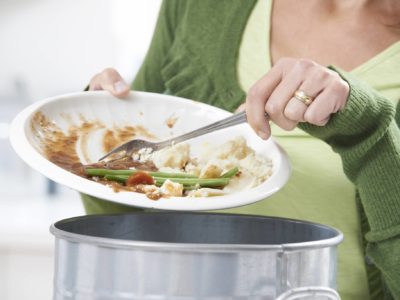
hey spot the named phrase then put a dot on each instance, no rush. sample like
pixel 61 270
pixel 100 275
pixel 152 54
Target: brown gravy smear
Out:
pixel 170 122
pixel 59 147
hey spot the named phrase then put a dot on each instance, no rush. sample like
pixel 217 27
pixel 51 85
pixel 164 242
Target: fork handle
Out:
pixel 227 122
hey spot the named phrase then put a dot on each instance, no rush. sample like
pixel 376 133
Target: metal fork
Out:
pixel 132 146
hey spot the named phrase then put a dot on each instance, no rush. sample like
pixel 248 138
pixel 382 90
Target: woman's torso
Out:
pixel 318 189
pixel 200 43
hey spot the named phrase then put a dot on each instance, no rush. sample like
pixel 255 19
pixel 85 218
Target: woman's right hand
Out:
pixel 109 80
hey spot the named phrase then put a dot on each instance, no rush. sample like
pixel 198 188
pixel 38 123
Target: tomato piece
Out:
pixel 139 178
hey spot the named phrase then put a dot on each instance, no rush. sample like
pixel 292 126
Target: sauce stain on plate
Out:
pixel 170 122
pixel 118 135
pixel 70 148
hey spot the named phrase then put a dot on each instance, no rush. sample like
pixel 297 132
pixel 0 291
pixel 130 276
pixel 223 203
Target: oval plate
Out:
pixel 162 117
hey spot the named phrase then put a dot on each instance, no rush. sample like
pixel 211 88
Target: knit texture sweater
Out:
pixel 193 54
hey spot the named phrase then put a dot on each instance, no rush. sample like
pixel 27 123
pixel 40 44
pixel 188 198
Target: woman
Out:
pixel 339 124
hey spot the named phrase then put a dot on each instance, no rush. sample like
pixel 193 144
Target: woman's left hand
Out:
pixel 294 91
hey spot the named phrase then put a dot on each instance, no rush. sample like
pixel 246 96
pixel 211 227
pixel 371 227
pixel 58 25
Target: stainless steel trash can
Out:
pixel 181 256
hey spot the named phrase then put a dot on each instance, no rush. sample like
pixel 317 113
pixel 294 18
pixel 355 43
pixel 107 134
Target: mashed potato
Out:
pixel 174 157
pixel 212 163
pixel 170 188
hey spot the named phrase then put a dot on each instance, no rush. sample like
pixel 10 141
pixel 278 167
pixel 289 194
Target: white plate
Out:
pixel 151 111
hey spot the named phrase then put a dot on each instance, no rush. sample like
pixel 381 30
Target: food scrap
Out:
pixel 232 166
pixel 174 171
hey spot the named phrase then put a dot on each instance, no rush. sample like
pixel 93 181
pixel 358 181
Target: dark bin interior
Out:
pixel 202 228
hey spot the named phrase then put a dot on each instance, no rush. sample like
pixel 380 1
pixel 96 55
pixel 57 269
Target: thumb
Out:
pixel 241 108
pixel 120 88
pixel 112 81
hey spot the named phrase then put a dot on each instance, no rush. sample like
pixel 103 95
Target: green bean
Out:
pixel 187 180
pixel 117 178
pixel 172 175
pixel 185 187
pixel 207 182
pixel 232 172
pixel 104 172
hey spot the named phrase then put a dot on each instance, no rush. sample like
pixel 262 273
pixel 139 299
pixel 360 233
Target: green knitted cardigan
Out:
pixel 193 54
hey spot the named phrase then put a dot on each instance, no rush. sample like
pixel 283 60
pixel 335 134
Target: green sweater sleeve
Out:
pixel 149 76
pixel 366 135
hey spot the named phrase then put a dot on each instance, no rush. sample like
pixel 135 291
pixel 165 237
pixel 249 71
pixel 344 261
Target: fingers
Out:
pixel 274 94
pixel 331 100
pixel 110 80
pixel 255 102
pixel 242 107
pixel 278 100
pixel 312 86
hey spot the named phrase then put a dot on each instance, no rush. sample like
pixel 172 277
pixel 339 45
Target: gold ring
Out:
pixel 303 97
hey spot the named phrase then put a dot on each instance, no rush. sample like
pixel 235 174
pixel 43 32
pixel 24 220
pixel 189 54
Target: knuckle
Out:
pixel 335 75
pixel 253 93
pixel 305 63
pixel 110 73
pixel 336 87
pixel 324 74
pixel 340 90
pixel 339 87
pixel 291 113
pixel 289 126
pixel 311 117
pixel 271 108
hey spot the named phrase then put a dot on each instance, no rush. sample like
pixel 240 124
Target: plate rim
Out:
pixel 20 142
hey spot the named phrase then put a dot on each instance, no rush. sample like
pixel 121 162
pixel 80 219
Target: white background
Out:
pixel 50 47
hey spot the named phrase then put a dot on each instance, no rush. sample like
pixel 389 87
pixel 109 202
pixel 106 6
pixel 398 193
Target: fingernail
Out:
pixel 120 86
pixel 263 135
